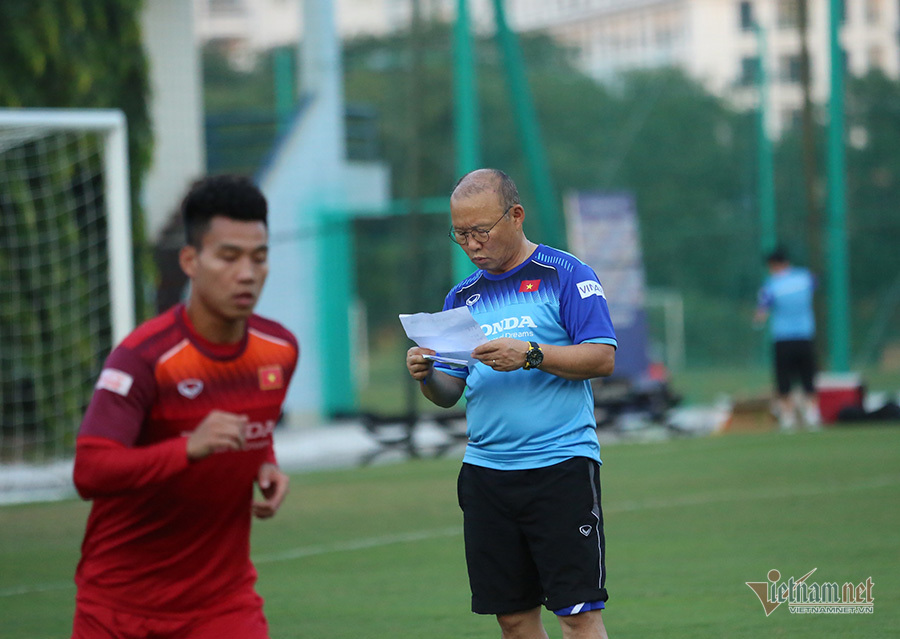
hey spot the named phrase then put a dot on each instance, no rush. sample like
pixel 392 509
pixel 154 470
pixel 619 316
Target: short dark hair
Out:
pixel 233 196
pixel 475 182
pixel 778 255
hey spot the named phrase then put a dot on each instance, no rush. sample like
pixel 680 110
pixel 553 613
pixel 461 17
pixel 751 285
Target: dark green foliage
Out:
pixel 242 122
pixel 873 224
pixel 689 157
pixel 65 54
pixel 80 54
pixel 227 89
pixel 684 153
pixel 54 320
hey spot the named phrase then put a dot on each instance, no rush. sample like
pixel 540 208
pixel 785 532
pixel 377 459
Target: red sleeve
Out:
pixel 270 455
pixel 123 397
pixel 104 468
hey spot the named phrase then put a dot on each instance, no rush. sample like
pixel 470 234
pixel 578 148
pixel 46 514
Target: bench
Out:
pixel 397 433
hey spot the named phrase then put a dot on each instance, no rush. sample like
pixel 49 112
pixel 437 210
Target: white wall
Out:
pixel 308 175
pixel 176 108
pixel 305 177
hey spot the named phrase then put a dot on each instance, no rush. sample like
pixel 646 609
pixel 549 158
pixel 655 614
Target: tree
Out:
pixel 80 54
pixel 73 54
pixel 682 151
pixel 687 155
pixel 873 226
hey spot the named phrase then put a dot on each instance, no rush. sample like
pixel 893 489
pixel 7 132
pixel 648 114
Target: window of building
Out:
pixel 791 118
pixel 746 15
pixel 876 57
pixel 749 71
pixel 788 13
pixel 873 11
pixel 789 69
pixel 226 7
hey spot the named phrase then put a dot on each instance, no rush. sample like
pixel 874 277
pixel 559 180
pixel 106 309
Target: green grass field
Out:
pixel 377 552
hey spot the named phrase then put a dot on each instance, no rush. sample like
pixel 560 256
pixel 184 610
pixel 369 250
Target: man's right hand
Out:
pixel 419 367
pixel 219 431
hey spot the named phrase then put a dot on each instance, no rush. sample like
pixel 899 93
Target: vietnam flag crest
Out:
pixel 529 286
pixel 271 377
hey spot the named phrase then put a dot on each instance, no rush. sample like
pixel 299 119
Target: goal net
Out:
pixel 65 271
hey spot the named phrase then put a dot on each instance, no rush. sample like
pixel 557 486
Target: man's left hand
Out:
pixel 502 354
pixel 273 484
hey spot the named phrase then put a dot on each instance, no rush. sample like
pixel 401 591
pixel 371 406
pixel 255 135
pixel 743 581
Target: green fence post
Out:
pixel 768 234
pixel 838 293
pixel 551 224
pixel 335 288
pixel 466 127
pixel 284 88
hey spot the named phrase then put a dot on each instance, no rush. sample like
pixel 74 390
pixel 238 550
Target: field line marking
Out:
pixel 36 588
pixel 703 499
pixel 436 533
pixel 358 544
pixel 294 553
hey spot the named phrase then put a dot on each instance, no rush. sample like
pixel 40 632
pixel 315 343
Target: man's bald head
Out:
pixel 487 181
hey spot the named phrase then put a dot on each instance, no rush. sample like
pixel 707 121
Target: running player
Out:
pixel 178 431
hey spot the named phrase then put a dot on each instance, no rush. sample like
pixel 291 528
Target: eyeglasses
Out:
pixel 481 235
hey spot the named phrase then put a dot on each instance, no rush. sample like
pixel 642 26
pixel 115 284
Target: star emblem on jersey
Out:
pixel 271 377
pixel 585 530
pixel 529 286
pixel 190 388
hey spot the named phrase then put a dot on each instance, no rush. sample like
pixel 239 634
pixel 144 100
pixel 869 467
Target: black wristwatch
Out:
pixel 534 357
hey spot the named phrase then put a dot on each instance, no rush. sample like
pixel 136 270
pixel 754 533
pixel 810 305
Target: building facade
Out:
pixel 717 42
pixel 714 41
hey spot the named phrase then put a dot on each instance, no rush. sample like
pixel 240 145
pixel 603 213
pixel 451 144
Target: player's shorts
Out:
pixel 795 359
pixel 95 621
pixel 534 537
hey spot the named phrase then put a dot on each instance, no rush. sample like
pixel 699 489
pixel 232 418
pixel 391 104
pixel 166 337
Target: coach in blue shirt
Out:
pixel 529 485
pixel 786 300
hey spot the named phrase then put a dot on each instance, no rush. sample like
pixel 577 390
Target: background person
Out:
pixel 178 431
pixel 529 485
pixel 786 300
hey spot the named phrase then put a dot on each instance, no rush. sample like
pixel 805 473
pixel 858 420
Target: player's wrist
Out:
pixel 191 451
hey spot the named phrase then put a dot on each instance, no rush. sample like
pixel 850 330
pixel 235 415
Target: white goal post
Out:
pixel 66 265
pixel 111 124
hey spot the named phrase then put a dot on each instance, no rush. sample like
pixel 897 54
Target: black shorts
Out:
pixel 795 359
pixel 533 536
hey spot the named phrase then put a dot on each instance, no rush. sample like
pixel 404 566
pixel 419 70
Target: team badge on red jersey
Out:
pixel 271 377
pixel 529 286
pixel 116 381
pixel 190 388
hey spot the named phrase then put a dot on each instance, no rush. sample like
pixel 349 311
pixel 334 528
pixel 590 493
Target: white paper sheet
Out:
pixel 452 334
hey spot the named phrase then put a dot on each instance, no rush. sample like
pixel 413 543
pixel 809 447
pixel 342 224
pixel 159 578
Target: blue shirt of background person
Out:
pixel 787 296
pixel 786 301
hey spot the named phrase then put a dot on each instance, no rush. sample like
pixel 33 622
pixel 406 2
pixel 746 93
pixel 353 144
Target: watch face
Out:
pixel 534 357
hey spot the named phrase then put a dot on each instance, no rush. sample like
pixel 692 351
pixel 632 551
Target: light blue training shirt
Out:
pixel 528 418
pixel 788 296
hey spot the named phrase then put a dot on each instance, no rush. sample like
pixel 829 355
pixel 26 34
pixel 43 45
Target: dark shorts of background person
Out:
pixel 534 537
pixel 795 359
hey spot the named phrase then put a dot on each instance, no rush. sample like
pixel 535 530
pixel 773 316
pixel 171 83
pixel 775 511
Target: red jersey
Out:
pixel 165 534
